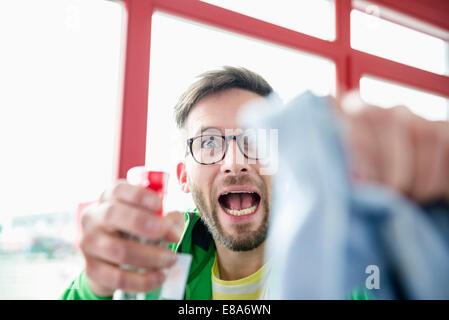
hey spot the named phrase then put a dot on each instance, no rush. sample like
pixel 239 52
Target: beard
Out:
pixel 245 240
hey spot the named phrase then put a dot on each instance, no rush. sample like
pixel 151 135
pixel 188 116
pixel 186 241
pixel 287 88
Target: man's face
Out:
pixel 231 195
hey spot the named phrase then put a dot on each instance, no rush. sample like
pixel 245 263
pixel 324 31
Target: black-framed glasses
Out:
pixel 211 148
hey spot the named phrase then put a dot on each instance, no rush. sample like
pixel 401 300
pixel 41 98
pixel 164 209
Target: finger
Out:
pixel 445 170
pixel 395 140
pixel 440 186
pixel 135 195
pixel 118 251
pixel 362 147
pixel 113 277
pixel 176 220
pixel 431 171
pixel 133 220
pixel 106 193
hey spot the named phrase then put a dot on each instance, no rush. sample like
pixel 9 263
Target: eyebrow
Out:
pixel 207 128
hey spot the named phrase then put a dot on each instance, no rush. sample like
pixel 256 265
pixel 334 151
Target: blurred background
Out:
pixel 61 78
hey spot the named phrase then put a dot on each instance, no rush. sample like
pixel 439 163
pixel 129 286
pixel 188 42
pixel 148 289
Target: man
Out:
pixel 226 233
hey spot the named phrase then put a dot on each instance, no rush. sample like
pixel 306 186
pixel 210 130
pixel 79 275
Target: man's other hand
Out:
pixel 399 149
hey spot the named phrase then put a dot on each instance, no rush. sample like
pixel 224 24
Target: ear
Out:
pixel 182 177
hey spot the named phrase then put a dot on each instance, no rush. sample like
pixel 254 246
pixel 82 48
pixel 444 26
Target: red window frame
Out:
pixel 350 64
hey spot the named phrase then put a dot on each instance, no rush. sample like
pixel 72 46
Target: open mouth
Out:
pixel 239 203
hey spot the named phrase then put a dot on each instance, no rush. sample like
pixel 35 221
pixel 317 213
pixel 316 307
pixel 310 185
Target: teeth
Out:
pixel 236 192
pixel 241 212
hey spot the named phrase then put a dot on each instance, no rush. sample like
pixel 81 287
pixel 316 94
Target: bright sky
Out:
pixel 398 43
pixel 59 81
pixel 313 17
pixel 60 77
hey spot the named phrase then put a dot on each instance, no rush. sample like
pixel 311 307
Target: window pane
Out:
pixel 398 43
pixel 313 17
pixel 58 81
pixel 181 50
pixel 388 94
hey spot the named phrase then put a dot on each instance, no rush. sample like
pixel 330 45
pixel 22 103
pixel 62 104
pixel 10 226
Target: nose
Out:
pixel 234 161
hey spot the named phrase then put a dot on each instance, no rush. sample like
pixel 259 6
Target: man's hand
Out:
pixel 401 150
pixel 130 209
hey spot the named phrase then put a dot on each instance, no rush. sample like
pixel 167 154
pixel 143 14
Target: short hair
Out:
pixel 215 81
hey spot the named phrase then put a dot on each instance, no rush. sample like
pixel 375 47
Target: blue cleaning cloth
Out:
pixel 328 235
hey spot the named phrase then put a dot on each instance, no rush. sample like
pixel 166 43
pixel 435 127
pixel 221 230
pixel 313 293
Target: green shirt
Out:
pixel 197 241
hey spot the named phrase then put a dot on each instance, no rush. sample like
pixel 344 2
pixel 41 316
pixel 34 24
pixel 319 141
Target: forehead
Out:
pixel 218 111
